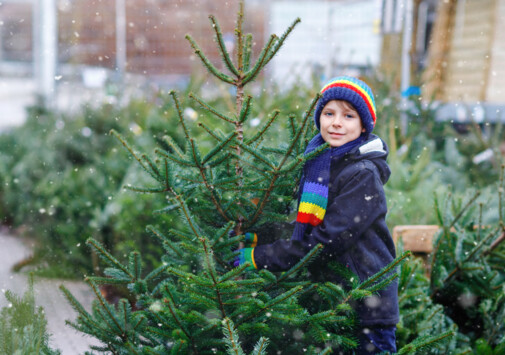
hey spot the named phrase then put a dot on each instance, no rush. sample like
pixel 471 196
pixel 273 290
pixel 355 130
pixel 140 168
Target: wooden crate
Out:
pixel 416 238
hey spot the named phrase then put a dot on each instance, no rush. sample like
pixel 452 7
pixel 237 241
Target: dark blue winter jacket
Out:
pixel 353 232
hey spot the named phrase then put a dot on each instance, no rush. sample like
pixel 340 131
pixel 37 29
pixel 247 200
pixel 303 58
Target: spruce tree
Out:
pixel 23 326
pixel 196 302
pixel 462 290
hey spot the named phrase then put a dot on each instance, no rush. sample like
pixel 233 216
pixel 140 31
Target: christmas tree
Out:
pixel 220 187
pixel 23 326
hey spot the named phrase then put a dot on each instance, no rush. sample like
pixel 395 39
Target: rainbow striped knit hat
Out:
pixel 353 91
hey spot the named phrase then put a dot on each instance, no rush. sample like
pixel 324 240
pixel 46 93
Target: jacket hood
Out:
pixel 375 150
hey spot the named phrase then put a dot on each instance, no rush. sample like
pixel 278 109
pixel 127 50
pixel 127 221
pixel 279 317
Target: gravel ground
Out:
pixel 47 295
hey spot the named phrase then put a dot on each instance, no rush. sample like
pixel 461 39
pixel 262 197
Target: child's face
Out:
pixel 340 123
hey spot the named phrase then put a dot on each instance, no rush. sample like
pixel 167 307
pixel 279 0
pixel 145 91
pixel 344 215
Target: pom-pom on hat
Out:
pixel 354 91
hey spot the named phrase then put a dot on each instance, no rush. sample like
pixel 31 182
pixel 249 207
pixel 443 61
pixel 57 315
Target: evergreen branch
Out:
pixel 107 256
pixel 141 320
pixel 380 285
pixel 226 181
pixel 218 148
pixel 299 265
pixel 166 209
pixel 497 242
pixel 245 109
pixel 130 150
pixel 195 153
pixel 255 153
pixel 177 104
pixel 261 62
pixel 187 215
pixel 438 210
pixel 209 131
pixel 109 281
pixel 210 67
pixel 231 338
pixel 480 244
pixel 385 270
pixel 153 171
pixel 186 276
pixel 425 342
pixel 293 165
pixel 153 231
pixel 291 124
pixel 135 265
pixel 481 205
pixel 463 210
pixel 316 152
pixel 214 196
pixel 210 266
pixel 276 172
pixel 410 294
pixel 180 235
pixel 172 144
pixel 300 130
pixel 238 34
pixel 209 108
pixel 272 303
pixel 459 267
pixel 262 131
pixel 247 52
pixel 223 232
pixel 308 130
pixel 105 306
pixel 254 166
pixel 281 40
pixel 233 273
pixel 176 319
pixel 260 347
pixel 224 53
pixel 78 307
pixel 168 177
pixel 145 190
pixel 273 150
pixel 219 161
pixel 174 158
pixel 156 272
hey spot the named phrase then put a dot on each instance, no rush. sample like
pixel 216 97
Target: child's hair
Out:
pixel 346 104
pixel 355 92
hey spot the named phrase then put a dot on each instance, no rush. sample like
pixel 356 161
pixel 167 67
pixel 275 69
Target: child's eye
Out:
pixel 349 115
pixel 327 113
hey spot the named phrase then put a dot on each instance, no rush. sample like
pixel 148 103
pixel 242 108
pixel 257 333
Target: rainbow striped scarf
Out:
pixel 313 196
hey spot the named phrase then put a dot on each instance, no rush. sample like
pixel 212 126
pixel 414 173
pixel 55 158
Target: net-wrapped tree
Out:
pixel 464 290
pixel 23 325
pixel 240 178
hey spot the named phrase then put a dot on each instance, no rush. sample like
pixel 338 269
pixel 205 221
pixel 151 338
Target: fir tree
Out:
pixel 196 302
pixel 464 292
pixel 23 326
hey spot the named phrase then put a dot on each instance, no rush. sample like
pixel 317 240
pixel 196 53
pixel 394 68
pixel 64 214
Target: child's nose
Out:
pixel 337 121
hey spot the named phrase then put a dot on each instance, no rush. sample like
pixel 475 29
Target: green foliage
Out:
pixel 234 178
pixel 61 176
pixel 464 292
pixel 23 326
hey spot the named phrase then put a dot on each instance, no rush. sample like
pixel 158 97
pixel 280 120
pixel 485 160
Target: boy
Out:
pixel 342 206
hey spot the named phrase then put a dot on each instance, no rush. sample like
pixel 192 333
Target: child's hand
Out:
pixel 245 256
pixel 250 240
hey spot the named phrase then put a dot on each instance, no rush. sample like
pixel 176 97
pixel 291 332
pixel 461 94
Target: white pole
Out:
pixel 406 46
pixel 120 38
pixel 45 50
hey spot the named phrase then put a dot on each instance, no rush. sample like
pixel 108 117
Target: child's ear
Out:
pixel 363 130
